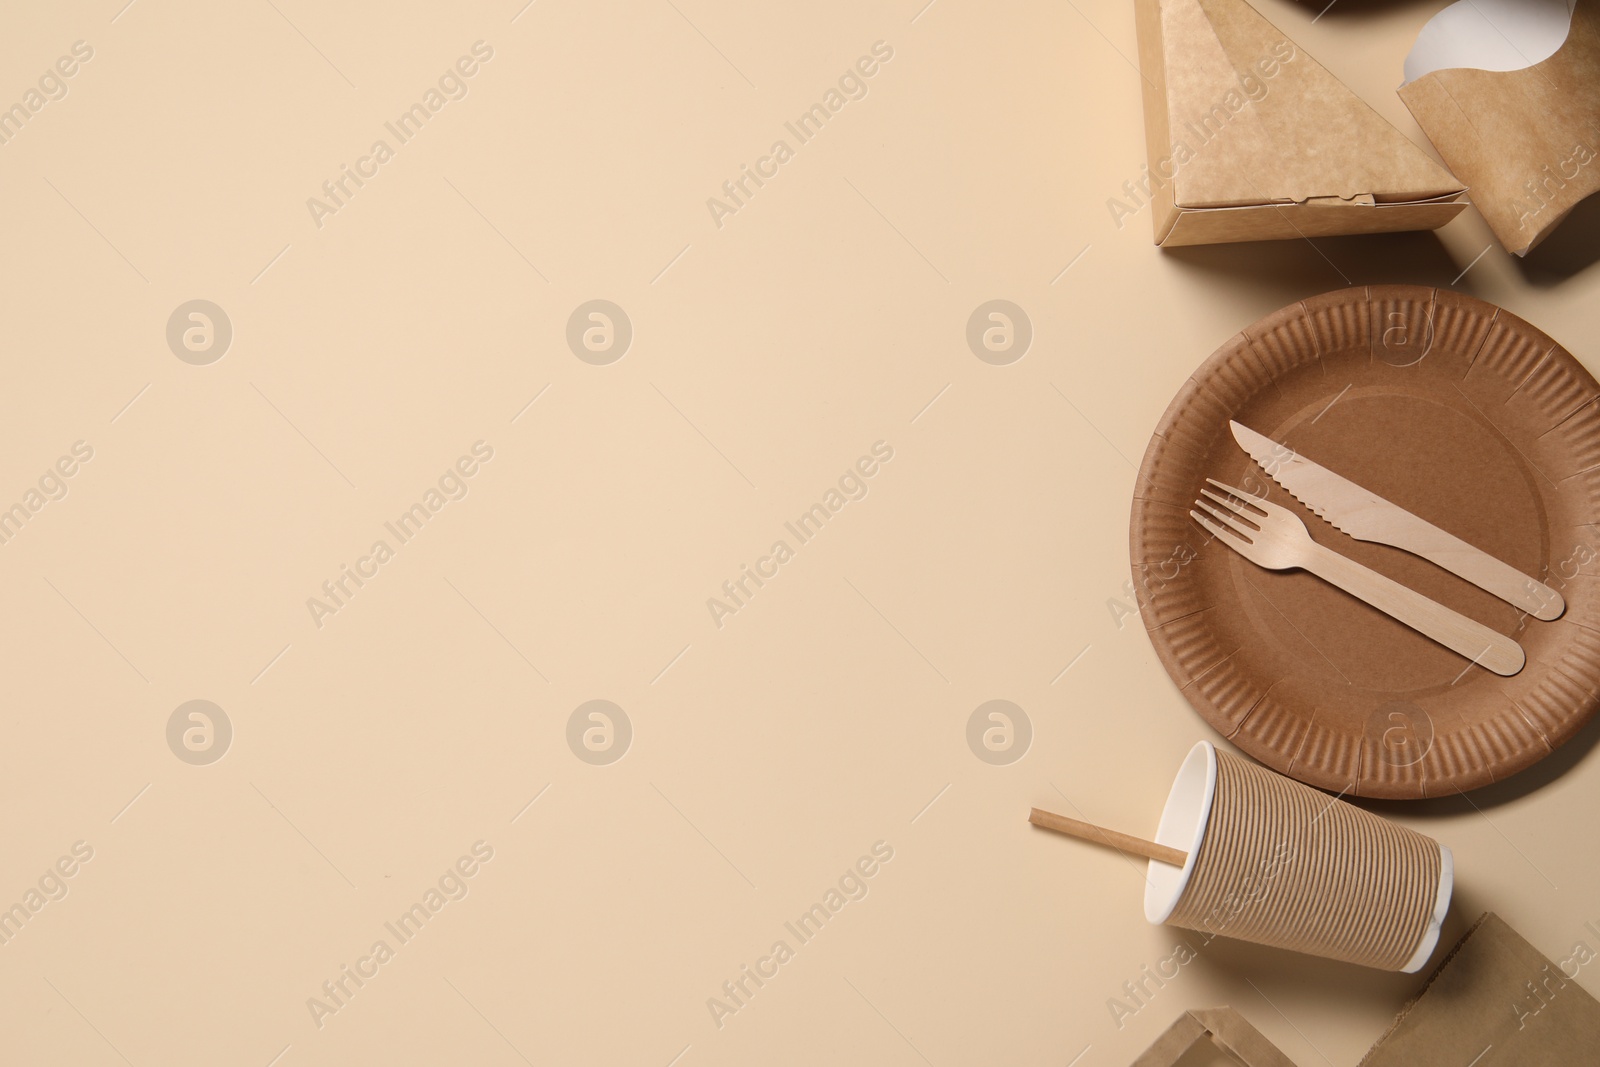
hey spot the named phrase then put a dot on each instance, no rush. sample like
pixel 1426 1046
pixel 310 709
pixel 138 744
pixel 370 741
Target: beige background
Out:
pixel 767 755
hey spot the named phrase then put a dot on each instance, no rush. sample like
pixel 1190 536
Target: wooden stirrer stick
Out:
pixel 1087 831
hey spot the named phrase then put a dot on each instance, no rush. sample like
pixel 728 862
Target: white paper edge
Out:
pixel 1441 908
pixel 1490 35
pixel 1183 825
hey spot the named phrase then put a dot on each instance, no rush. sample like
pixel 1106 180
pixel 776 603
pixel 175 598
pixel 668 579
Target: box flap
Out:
pixel 1314 218
pixel 1224 1028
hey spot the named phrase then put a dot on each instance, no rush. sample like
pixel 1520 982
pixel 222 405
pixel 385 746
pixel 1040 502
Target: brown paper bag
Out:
pixel 1496 1001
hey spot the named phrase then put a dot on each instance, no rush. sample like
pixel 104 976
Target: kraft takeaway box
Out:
pixel 1224 1028
pixel 1250 138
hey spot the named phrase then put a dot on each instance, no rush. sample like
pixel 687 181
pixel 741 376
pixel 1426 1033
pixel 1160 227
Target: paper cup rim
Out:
pixel 1183 825
pixel 1441 907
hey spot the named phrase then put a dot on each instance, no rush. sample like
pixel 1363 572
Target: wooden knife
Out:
pixel 1366 516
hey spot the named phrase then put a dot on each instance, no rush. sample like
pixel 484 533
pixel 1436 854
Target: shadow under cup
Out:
pixel 1279 863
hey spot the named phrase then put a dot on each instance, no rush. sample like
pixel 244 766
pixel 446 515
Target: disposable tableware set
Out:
pixel 1296 673
pixel 1339 882
pixel 1479 436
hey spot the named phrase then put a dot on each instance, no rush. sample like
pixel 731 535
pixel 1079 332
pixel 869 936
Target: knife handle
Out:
pixel 1493 576
pixel 1455 631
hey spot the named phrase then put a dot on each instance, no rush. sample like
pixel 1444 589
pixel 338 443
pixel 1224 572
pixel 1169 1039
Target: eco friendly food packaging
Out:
pixel 1494 1001
pixel 1275 862
pixel 1249 138
pixel 1526 140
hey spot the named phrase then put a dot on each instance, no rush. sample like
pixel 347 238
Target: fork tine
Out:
pixel 1252 501
pixel 1210 527
pixel 1228 520
pixel 1220 533
pixel 1233 506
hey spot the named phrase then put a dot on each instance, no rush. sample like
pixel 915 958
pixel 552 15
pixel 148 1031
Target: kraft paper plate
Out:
pixel 1451 407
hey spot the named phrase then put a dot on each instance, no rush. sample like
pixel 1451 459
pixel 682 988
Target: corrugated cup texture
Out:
pixel 1284 865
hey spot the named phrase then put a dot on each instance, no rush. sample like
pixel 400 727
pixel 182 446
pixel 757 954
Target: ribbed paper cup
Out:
pixel 1278 863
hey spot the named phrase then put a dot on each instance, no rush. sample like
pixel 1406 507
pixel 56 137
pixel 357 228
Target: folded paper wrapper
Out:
pixel 1495 1001
pixel 1250 138
pixel 1526 141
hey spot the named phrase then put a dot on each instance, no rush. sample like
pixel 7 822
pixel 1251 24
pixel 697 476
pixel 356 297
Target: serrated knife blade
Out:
pixel 1366 516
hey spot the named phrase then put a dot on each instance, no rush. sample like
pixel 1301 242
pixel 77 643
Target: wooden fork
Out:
pixel 1273 537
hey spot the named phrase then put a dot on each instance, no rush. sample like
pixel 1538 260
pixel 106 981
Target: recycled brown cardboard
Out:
pixel 1527 141
pixel 1495 1001
pixel 1224 1028
pixel 1250 138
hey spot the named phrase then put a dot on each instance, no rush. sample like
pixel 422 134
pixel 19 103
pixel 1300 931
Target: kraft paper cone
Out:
pixel 1279 863
pixel 1527 141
